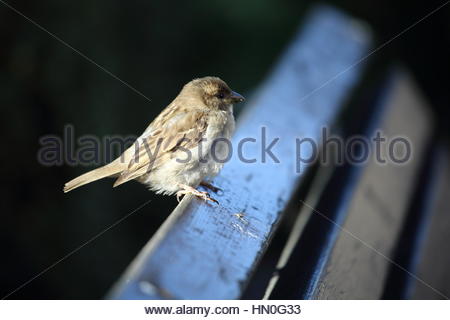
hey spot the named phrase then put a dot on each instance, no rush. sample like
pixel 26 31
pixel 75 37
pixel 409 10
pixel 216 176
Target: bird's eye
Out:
pixel 220 95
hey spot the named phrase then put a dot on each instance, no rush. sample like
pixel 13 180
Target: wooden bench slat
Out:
pixel 431 261
pixel 205 251
pixel 356 222
pixel 379 203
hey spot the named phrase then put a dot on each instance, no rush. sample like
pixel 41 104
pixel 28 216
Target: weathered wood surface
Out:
pixel 205 251
pixel 356 265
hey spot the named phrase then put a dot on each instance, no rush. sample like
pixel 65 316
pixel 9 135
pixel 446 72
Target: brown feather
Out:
pixel 161 144
pixel 180 126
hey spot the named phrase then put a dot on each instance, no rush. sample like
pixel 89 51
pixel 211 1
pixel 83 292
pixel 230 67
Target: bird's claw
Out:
pixel 199 194
pixel 211 187
pixel 205 196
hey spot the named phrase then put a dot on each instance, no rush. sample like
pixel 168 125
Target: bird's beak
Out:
pixel 236 97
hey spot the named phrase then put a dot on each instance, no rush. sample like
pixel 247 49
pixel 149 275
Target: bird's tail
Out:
pixel 99 173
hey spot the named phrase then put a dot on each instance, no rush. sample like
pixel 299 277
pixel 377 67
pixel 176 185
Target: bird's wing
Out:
pixel 172 130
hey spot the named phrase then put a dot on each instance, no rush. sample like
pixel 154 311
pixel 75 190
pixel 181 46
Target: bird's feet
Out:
pixel 209 186
pixel 185 189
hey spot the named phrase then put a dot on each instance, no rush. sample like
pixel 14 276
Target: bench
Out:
pixel 340 225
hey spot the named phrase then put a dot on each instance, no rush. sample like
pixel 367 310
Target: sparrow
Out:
pixel 174 155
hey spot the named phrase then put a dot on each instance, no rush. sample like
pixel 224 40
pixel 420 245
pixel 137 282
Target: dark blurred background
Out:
pixel 156 47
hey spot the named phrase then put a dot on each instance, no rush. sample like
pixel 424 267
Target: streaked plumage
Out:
pixel 201 113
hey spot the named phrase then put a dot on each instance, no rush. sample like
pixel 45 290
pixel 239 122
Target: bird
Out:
pixel 180 148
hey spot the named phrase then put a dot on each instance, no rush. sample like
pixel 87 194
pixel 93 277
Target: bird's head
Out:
pixel 214 92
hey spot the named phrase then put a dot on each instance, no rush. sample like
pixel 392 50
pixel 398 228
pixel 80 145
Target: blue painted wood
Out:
pixel 205 251
pixel 346 250
pixel 372 219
